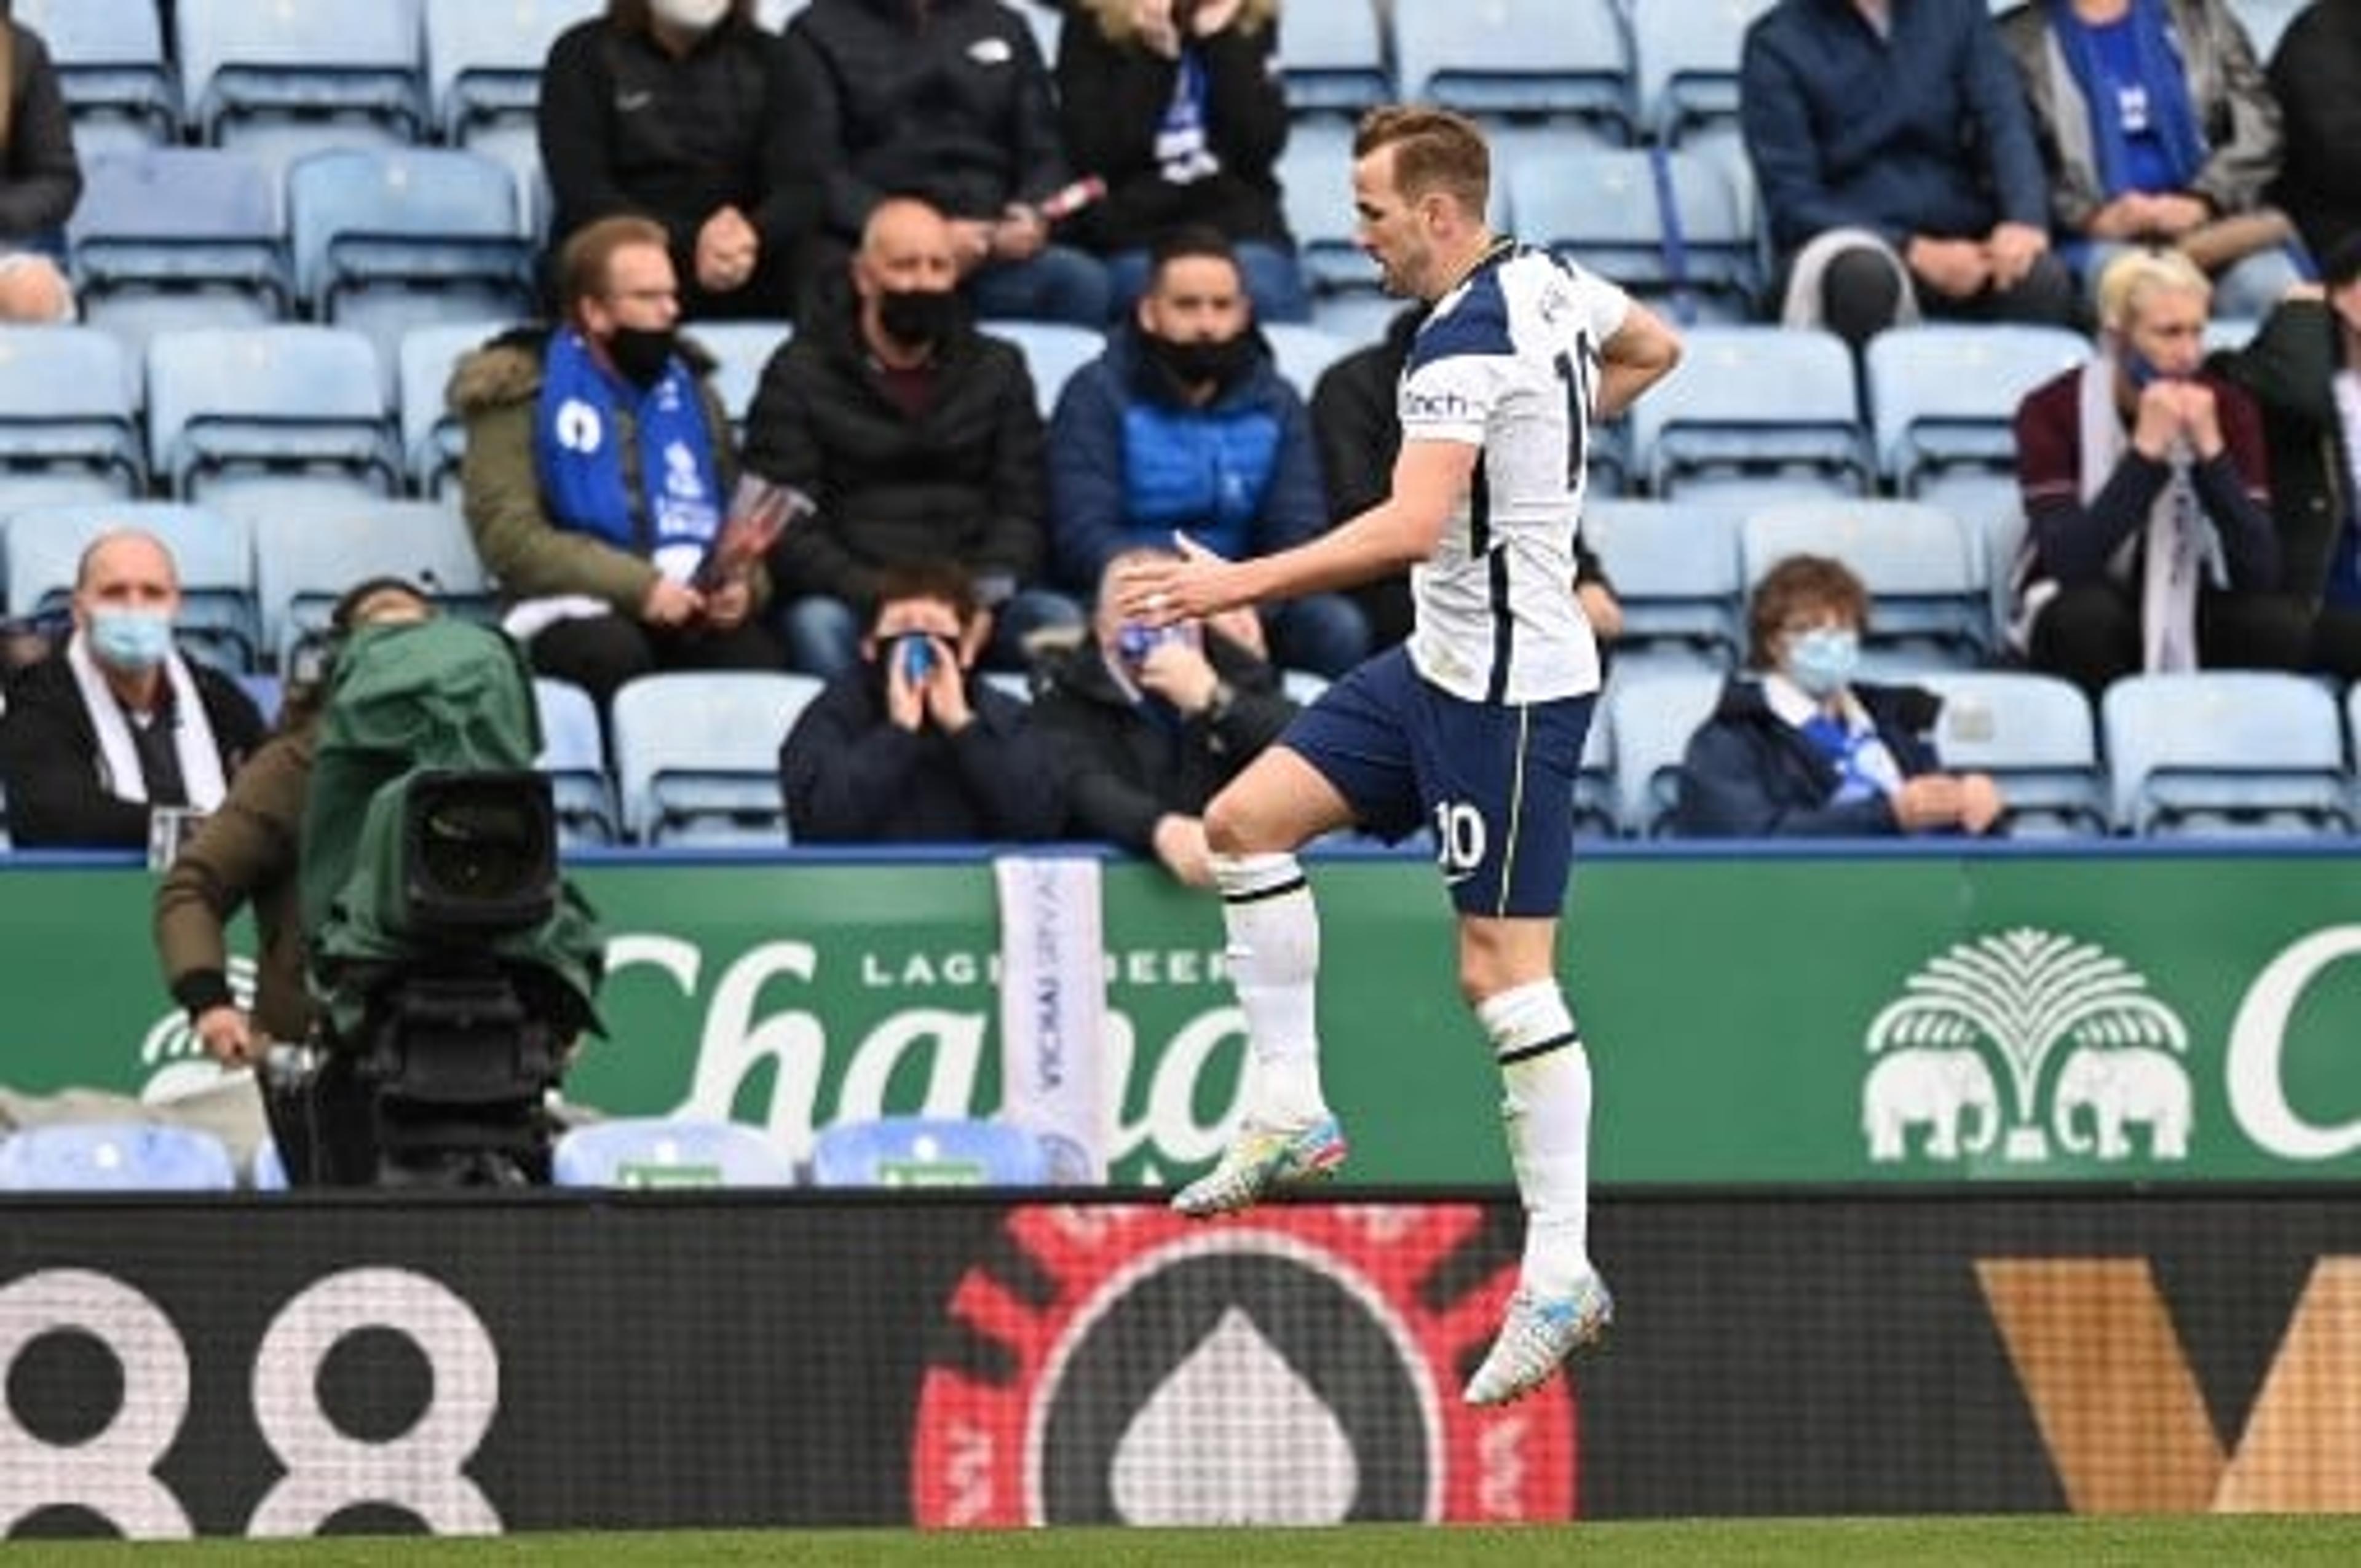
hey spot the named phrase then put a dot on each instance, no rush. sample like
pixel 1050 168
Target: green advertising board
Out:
pixel 2121 1017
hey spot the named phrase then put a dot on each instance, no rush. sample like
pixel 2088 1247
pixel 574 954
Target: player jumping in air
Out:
pixel 1474 728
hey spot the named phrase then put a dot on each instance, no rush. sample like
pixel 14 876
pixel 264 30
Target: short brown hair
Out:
pixel 590 249
pixel 946 581
pixel 1434 149
pixel 1800 586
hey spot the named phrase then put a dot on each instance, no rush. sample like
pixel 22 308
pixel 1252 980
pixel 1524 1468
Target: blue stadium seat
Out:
pixel 1595 811
pixel 1759 411
pixel 1331 57
pixel 68 428
pixel 1685 56
pixel 178 237
pixel 267 1173
pixel 740 349
pixel 273 410
pixel 2219 752
pixel 1053 351
pixel 1303 352
pixel 927 1151
pixel 574 756
pixel 433 440
pixel 109 55
pixel 668 1152
pixel 1924 568
pixel 2264 20
pixel 307 553
pixel 2034 734
pixel 1316 180
pixel 1652 716
pixel 484 59
pixel 283 79
pixel 212 552
pixel 1674 568
pixel 697 755
pixel 1667 225
pixel 1944 396
pixel 114 1157
pixel 1565 59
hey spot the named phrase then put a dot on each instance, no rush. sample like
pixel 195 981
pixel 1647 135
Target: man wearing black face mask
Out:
pixel 598 471
pixel 1185 424
pixel 920 441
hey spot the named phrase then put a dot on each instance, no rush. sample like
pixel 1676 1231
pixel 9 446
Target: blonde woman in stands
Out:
pixel 40 182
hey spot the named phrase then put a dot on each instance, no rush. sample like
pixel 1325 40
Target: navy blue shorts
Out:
pixel 1495 783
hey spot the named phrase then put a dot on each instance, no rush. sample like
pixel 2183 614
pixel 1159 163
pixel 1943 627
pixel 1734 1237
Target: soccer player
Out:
pixel 1474 728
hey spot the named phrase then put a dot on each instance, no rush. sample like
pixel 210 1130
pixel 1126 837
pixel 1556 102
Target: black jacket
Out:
pixel 49 759
pixel 1750 773
pixel 626 128
pixel 41 180
pixel 2290 368
pixel 962 482
pixel 954 107
pixel 1123 770
pixel 1111 98
pixel 851 776
pixel 2315 74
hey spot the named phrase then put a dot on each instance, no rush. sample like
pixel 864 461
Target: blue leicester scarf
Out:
pixel 2174 118
pixel 581 465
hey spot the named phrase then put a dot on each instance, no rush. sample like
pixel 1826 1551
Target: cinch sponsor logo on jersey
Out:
pixel 2093 1064
pixel 1421 406
pixel 1300 1367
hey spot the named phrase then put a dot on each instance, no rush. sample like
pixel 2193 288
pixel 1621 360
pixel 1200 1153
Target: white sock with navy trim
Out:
pixel 1547 1111
pixel 1274 961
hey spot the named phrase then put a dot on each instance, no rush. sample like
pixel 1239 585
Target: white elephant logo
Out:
pixel 1936 1087
pixel 2121 1086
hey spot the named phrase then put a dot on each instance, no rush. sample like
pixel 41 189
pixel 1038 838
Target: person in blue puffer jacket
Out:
pixel 1185 424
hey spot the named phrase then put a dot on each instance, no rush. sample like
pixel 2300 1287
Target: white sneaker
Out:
pixel 1536 1338
pixel 1261 1161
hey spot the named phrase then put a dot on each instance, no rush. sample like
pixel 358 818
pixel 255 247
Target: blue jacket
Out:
pixel 1130 460
pixel 1750 774
pixel 1925 132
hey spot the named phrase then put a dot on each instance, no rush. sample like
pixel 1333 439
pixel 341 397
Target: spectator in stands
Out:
pixel 1356 428
pixel 41 180
pixel 1146 724
pixel 920 440
pixel 1185 424
pixel 948 101
pixel 912 746
pixel 2313 75
pixel 245 856
pixel 2150 544
pixel 116 727
pixel 1800 749
pixel 2304 367
pixel 680 110
pixel 2157 128
pixel 1897 166
pixel 1178 107
pixel 597 468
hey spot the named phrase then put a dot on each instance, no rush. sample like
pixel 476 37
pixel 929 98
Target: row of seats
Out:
pixel 627 1152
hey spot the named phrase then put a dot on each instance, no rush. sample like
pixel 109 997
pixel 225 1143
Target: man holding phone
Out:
pixel 911 745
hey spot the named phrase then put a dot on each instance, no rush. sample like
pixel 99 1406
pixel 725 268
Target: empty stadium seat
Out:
pixel 114 1157
pixel 178 237
pixel 1684 55
pixel 213 552
pixel 1652 716
pixel 1316 181
pixel 110 68
pixel 1053 352
pixel 271 409
pixel 1944 395
pixel 574 756
pixel 484 59
pixel 1757 411
pixel 2225 752
pixel 2034 734
pixel 1565 59
pixel 69 429
pixel 927 1151
pixel 668 1152
pixel 282 79
pixel 697 755
pixel 740 349
pixel 433 440
pixel 308 552
pixel 1303 352
pixel 1674 568
pixel 1667 225
pixel 1924 568
pixel 1596 813
pixel 1331 57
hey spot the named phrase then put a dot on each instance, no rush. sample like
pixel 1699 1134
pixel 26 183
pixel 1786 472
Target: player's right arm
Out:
pixel 1640 352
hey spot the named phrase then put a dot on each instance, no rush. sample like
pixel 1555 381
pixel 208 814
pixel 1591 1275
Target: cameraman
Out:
pixel 1146 725
pixel 245 853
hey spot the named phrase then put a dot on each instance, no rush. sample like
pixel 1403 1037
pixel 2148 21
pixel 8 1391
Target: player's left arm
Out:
pixel 1638 354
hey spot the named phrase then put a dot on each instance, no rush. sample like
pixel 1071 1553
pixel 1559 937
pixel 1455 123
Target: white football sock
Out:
pixel 1274 959
pixel 1547 1113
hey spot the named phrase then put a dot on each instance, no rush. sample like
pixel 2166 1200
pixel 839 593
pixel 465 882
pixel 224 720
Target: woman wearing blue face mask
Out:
pixel 1801 748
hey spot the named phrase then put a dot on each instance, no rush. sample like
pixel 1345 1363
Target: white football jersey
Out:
pixel 1507 362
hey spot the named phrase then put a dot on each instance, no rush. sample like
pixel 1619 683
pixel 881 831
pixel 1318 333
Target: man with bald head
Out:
pixel 117 726
pixel 920 440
